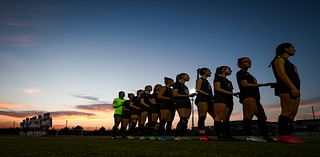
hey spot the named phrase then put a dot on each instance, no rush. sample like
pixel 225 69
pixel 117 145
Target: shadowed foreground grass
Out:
pixel 104 146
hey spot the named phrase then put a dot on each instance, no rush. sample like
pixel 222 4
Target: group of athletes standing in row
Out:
pixel 165 100
pixel 36 126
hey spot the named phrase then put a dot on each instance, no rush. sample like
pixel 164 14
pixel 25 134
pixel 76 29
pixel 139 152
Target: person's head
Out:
pixel 244 62
pixel 285 48
pixel 148 89
pixel 203 72
pixel 39 116
pixel 223 70
pixel 130 96
pixel 140 92
pixel 157 88
pixel 168 81
pixel 184 77
pixel 122 94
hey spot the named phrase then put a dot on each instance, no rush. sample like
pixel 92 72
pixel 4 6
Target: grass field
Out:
pixel 78 146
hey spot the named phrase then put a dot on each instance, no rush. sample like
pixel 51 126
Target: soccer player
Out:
pixel 145 109
pixel 250 99
pixel 203 99
pixel 166 103
pixel 126 116
pixel 46 123
pixel 287 88
pixel 155 109
pixel 117 105
pixel 183 105
pixel 223 102
pixel 135 113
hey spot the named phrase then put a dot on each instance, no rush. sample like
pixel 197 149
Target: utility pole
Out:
pixel 314 116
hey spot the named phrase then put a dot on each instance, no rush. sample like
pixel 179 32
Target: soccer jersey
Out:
pixel 183 90
pixel 220 97
pixel 206 87
pixel 292 73
pixel 246 92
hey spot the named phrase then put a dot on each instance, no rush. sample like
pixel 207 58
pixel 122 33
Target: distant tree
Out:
pixel 102 129
pixel 78 127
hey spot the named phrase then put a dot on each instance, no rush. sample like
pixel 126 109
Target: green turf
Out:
pixel 104 146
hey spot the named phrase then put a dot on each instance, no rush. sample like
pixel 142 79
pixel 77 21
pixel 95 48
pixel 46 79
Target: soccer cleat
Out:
pixel 255 139
pixel 204 138
pixel 152 138
pixel 162 138
pixel 177 138
pixel 141 138
pixel 289 139
pixel 186 138
pixel 130 137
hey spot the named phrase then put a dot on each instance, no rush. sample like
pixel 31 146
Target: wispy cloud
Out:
pixel 307 103
pixel 31 90
pixel 9 105
pixel 70 113
pixel 96 107
pixel 55 114
pixel 12 24
pixel 83 96
pixel 19 40
pixel 21 114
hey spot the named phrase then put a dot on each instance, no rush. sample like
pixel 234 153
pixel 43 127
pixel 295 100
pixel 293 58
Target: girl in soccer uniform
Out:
pixel 223 102
pixel 155 109
pixel 126 115
pixel 46 123
pixel 117 105
pixel 203 99
pixel 166 103
pixel 183 104
pixel 135 112
pixel 287 88
pixel 145 109
pixel 250 98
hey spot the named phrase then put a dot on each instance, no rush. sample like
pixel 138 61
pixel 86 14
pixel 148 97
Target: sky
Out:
pixel 72 57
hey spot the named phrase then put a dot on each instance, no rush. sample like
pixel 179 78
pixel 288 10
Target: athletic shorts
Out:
pixel 126 114
pixel 227 101
pixel 183 104
pixel 155 108
pixel 135 112
pixel 166 106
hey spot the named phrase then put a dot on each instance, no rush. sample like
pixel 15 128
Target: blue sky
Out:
pixel 57 55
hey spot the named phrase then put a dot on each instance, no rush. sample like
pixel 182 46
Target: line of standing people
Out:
pixel 173 96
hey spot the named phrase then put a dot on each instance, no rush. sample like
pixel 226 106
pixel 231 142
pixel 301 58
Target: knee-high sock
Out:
pixel 161 127
pixel 114 131
pixel 132 128
pixel 201 125
pixel 263 127
pixel 141 129
pixel 284 125
pixel 247 127
pixel 227 129
pixel 151 128
pixel 169 128
pixel 218 128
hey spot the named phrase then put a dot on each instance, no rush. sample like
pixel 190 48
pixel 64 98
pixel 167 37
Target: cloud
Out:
pixel 10 105
pixel 70 113
pixel 55 114
pixel 16 40
pixel 96 107
pixel 21 114
pixel 31 90
pixel 12 24
pixel 86 97
pixel 307 103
